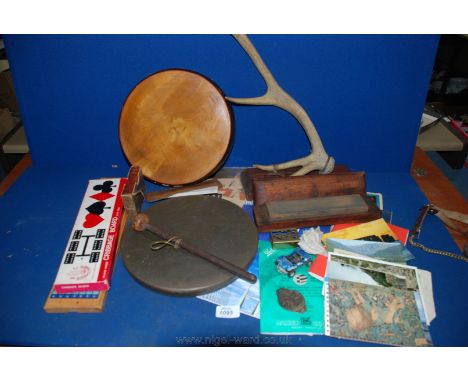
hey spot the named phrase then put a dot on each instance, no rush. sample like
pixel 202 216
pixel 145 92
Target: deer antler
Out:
pixel 318 159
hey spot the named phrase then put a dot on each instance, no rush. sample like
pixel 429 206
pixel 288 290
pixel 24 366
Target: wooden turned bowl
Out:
pixel 177 126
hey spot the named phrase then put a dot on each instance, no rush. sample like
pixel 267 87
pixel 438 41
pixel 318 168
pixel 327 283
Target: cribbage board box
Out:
pixel 88 258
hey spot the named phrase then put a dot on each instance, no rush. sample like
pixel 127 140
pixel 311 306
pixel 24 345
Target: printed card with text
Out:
pixel 89 255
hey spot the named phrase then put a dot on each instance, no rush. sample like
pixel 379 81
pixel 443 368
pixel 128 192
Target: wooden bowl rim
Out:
pixel 231 122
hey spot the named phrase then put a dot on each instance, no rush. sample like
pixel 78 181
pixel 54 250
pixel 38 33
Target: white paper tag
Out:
pixel 227 311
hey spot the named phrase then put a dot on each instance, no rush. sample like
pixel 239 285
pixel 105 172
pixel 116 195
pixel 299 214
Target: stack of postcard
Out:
pixel 376 239
pixel 377 301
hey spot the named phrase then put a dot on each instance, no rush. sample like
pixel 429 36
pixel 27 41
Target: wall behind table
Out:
pixel 365 94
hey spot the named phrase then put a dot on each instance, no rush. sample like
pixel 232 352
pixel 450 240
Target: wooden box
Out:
pixel 311 200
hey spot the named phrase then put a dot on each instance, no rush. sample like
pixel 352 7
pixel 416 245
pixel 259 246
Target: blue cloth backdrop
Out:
pixel 365 93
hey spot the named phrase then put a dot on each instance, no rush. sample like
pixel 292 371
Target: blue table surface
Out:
pixel 37 215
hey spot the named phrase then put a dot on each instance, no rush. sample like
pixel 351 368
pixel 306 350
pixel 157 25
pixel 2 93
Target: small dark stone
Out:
pixel 291 300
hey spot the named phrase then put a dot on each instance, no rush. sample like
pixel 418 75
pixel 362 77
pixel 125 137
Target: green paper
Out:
pixel 274 319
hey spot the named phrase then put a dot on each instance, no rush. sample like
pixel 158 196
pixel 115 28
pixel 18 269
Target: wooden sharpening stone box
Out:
pixel 282 203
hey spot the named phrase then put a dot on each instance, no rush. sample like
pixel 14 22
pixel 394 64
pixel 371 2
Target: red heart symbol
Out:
pixel 102 196
pixel 92 220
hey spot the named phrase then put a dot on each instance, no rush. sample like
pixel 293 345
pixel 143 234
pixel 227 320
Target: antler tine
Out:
pixel 245 42
pixel 307 164
pixel 262 100
pixel 282 166
pixel 270 81
pixel 276 96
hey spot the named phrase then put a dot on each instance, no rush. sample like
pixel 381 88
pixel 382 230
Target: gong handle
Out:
pixel 141 223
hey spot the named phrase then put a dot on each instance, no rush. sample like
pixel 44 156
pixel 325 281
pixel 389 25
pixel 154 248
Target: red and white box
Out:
pixel 89 255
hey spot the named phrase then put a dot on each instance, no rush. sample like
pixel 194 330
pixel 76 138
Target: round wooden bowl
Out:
pixel 177 126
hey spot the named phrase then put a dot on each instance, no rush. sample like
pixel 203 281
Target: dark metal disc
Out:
pixel 212 224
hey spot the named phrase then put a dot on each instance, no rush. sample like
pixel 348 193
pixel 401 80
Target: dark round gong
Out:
pixel 214 225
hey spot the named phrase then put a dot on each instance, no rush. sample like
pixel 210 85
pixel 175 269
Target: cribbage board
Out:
pixel 87 260
pixel 92 246
pixel 81 302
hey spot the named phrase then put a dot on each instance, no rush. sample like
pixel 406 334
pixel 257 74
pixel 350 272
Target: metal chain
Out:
pixel 436 251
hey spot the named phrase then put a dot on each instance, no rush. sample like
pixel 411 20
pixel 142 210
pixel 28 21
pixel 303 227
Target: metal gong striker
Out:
pixel 214 225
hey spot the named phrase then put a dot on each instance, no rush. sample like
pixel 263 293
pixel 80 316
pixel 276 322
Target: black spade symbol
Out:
pixel 96 208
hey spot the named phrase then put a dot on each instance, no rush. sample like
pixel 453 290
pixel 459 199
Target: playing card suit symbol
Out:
pixel 105 187
pixel 92 220
pixel 102 196
pixel 96 208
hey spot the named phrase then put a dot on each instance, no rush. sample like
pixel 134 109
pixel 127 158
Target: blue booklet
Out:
pixel 239 293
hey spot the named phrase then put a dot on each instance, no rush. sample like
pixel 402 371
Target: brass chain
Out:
pixel 436 251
